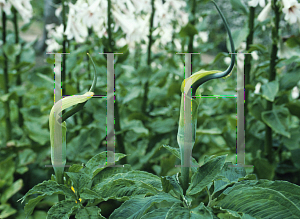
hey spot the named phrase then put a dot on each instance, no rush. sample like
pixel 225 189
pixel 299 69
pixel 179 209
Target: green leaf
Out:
pixel 170 183
pixel 11 51
pixel 80 180
pixel 46 78
pixel 188 31
pixel 10 191
pixel 263 168
pixel 257 47
pixel 262 199
pixel 237 5
pixel 49 188
pixel 205 175
pixel 238 36
pixel 6 210
pixel 126 184
pixel 293 142
pixel 294 107
pixel 289 80
pixel 256 109
pixel 62 209
pixel 270 90
pixel 138 206
pixel 7 168
pixel 231 174
pixel 277 119
pixel 30 205
pixel 92 212
pixel 176 152
pixel 37 133
pixel 178 212
pixel 92 166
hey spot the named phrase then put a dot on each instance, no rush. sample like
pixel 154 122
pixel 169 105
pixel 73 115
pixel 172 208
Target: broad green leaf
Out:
pixel 277 120
pixel 269 90
pixel 238 5
pixel 294 107
pixel 256 109
pixel 133 93
pixel 36 132
pixel 293 142
pixel 120 189
pixel 30 205
pixel 170 183
pixel 92 212
pixel 6 210
pixel 11 51
pixel 152 182
pixel 263 199
pixel 205 175
pixel 7 168
pixel 62 209
pixel 10 191
pixel 289 80
pixel 263 168
pixel 188 31
pixel 232 174
pixel 239 36
pixel 108 172
pixel 257 47
pixel 138 206
pixel 165 125
pixel 229 214
pixel 176 152
pixel 93 165
pixel 49 188
pixel 178 212
pixel 80 180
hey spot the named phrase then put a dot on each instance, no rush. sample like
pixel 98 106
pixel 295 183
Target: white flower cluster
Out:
pixel 23 7
pixel 291 10
pixel 132 16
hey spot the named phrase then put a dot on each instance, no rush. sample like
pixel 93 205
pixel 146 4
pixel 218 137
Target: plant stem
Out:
pixel 146 86
pixel 64 49
pixel 272 75
pixel 119 138
pixel 5 78
pixel 185 172
pixel 60 180
pixel 192 22
pixel 19 80
pixel 248 59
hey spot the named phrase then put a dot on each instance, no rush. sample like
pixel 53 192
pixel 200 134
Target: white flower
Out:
pixel 257 88
pixel 255 55
pixel 52 45
pixel 254 3
pixel 6 6
pixel 295 92
pixel 75 28
pixel 227 60
pixel 291 10
pixel 24 8
pixel 204 36
pixel 264 13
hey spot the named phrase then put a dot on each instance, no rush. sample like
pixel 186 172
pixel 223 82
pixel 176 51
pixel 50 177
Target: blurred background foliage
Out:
pixel 144 123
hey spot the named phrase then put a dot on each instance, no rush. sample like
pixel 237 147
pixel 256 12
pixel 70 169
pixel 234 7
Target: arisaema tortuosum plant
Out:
pixel 186 142
pixel 57 123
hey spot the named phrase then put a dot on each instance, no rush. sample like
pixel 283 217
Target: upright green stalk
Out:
pixel 5 78
pixel 248 59
pixel 64 48
pixel 146 87
pixel 272 75
pixel 119 137
pixel 193 22
pixel 19 80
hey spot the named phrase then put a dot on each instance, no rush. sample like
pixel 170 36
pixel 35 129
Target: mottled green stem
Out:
pixel 248 59
pixel 272 75
pixel 146 86
pixel 119 137
pixel 19 80
pixel 5 81
pixel 63 79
